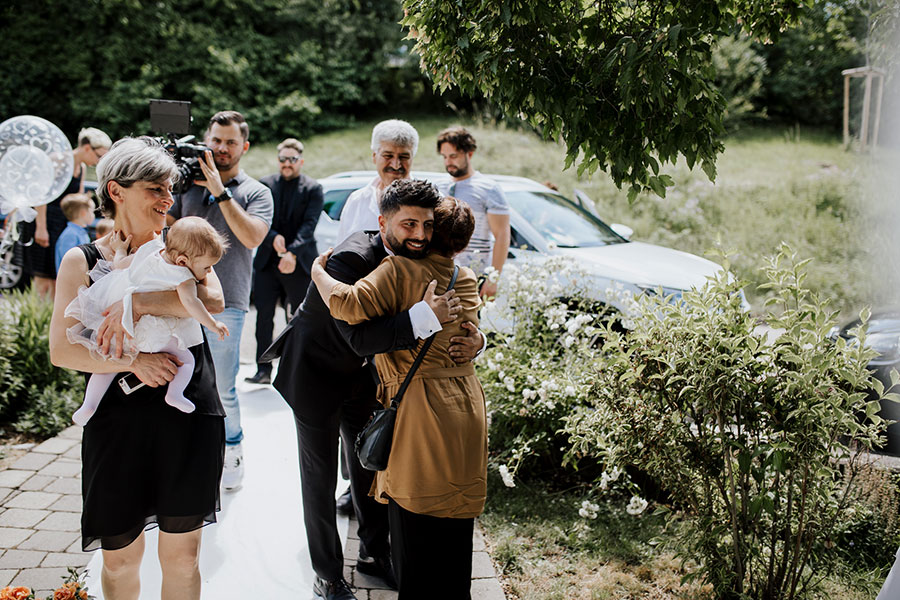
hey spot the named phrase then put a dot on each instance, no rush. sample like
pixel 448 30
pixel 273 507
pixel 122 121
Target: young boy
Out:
pixel 79 212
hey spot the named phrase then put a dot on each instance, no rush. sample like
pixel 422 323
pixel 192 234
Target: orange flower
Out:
pixel 15 593
pixel 66 592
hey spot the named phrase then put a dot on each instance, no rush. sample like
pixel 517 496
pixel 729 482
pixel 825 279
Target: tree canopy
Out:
pixel 627 85
pixel 291 66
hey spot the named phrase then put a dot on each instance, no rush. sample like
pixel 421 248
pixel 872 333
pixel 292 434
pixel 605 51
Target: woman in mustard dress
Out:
pixel 435 481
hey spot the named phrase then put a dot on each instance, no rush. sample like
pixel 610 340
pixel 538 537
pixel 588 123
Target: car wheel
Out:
pixel 11 271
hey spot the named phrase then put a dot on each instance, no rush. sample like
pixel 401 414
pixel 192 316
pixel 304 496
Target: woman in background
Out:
pixel 50 221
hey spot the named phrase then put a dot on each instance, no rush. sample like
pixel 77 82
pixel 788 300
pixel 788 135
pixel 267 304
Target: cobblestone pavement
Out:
pixel 40 514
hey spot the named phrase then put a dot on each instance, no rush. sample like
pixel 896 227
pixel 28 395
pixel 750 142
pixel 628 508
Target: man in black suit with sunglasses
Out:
pixel 282 263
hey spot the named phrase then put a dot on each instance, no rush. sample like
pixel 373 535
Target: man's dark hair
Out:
pixel 453 227
pixel 228 117
pixel 459 137
pixel 408 192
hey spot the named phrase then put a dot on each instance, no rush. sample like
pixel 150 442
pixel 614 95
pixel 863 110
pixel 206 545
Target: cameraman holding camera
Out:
pixel 240 208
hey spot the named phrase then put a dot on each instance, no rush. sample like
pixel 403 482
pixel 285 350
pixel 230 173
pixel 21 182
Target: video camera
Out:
pixel 172 118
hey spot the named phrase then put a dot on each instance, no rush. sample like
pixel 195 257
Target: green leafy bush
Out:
pixel 49 410
pixel 749 435
pixel 40 397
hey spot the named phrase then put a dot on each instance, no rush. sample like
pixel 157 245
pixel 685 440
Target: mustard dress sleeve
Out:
pixel 374 295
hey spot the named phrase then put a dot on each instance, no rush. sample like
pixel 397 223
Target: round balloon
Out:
pixel 35 161
pixel 25 173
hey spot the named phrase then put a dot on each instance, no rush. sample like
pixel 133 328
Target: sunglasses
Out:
pixel 290 159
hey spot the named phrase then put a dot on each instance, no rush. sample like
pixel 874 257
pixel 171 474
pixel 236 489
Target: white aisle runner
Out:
pixel 258 548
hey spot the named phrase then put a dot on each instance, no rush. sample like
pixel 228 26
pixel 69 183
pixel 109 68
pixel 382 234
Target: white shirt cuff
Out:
pixel 424 322
pixel 483 344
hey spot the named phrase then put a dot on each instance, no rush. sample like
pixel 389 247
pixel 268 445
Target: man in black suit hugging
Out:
pixel 331 389
pixel 282 263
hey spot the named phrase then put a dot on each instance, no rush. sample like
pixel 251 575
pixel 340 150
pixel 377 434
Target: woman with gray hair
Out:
pixel 144 463
pixel 40 258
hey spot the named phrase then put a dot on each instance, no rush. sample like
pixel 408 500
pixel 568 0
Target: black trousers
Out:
pixel 318 446
pixel 271 286
pixel 432 556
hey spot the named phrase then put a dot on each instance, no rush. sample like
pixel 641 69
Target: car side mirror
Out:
pixel 623 230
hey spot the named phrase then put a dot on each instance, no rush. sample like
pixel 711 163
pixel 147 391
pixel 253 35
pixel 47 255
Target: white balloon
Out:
pixel 35 161
pixel 26 173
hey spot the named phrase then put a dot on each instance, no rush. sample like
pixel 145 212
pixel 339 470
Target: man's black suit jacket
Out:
pixel 323 359
pixel 295 220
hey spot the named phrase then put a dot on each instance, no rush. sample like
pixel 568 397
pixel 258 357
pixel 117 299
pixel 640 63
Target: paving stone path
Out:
pixel 40 514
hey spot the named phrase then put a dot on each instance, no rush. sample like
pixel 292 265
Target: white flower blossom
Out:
pixel 529 394
pixel 636 506
pixel 608 476
pixel 506 477
pixel 530 380
pixel 510 384
pixel 568 341
pixel 570 390
pixel 499 356
pixel 588 510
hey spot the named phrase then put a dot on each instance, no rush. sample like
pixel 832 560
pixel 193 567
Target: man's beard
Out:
pixel 228 165
pixel 401 249
pixel 461 171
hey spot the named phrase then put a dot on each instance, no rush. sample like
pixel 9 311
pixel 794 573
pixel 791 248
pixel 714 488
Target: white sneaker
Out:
pixel 233 471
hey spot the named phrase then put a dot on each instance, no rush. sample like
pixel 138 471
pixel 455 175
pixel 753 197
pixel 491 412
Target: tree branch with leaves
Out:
pixel 627 86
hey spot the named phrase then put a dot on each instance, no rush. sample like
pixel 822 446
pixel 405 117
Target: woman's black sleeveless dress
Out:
pixel 41 261
pixel 147 464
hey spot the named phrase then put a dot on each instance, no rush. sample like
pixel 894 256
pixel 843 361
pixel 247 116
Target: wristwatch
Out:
pixel 226 195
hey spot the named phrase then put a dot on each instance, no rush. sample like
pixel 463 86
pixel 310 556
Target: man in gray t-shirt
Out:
pixel 489 246
pixel 241 209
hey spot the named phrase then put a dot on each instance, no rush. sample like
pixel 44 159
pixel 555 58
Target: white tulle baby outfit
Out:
pixel 148 272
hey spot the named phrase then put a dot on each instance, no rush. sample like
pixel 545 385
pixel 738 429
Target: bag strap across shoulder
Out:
pixel 415 366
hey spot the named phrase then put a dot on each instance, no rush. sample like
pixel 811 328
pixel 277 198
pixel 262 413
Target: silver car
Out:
pixel 545 223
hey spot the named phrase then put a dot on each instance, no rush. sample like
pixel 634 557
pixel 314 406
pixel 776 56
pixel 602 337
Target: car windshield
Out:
pixel 559 222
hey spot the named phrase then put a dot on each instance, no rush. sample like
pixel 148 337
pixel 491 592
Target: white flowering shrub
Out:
pixel 540 368
pixel 750 437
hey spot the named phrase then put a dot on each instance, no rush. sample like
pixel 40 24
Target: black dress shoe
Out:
pixel 261 377
pixel 333 590
pixel 377 566
pixel 345 504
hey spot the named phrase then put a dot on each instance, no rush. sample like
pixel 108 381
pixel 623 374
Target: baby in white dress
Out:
pixel 191 248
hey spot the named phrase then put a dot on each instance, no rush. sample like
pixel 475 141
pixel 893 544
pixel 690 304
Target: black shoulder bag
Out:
pixel 373 444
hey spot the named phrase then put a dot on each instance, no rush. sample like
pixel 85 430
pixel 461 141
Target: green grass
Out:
pixel 543 550
pixel 774 184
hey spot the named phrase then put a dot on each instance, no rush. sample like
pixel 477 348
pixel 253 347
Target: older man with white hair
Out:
pixel 394 144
